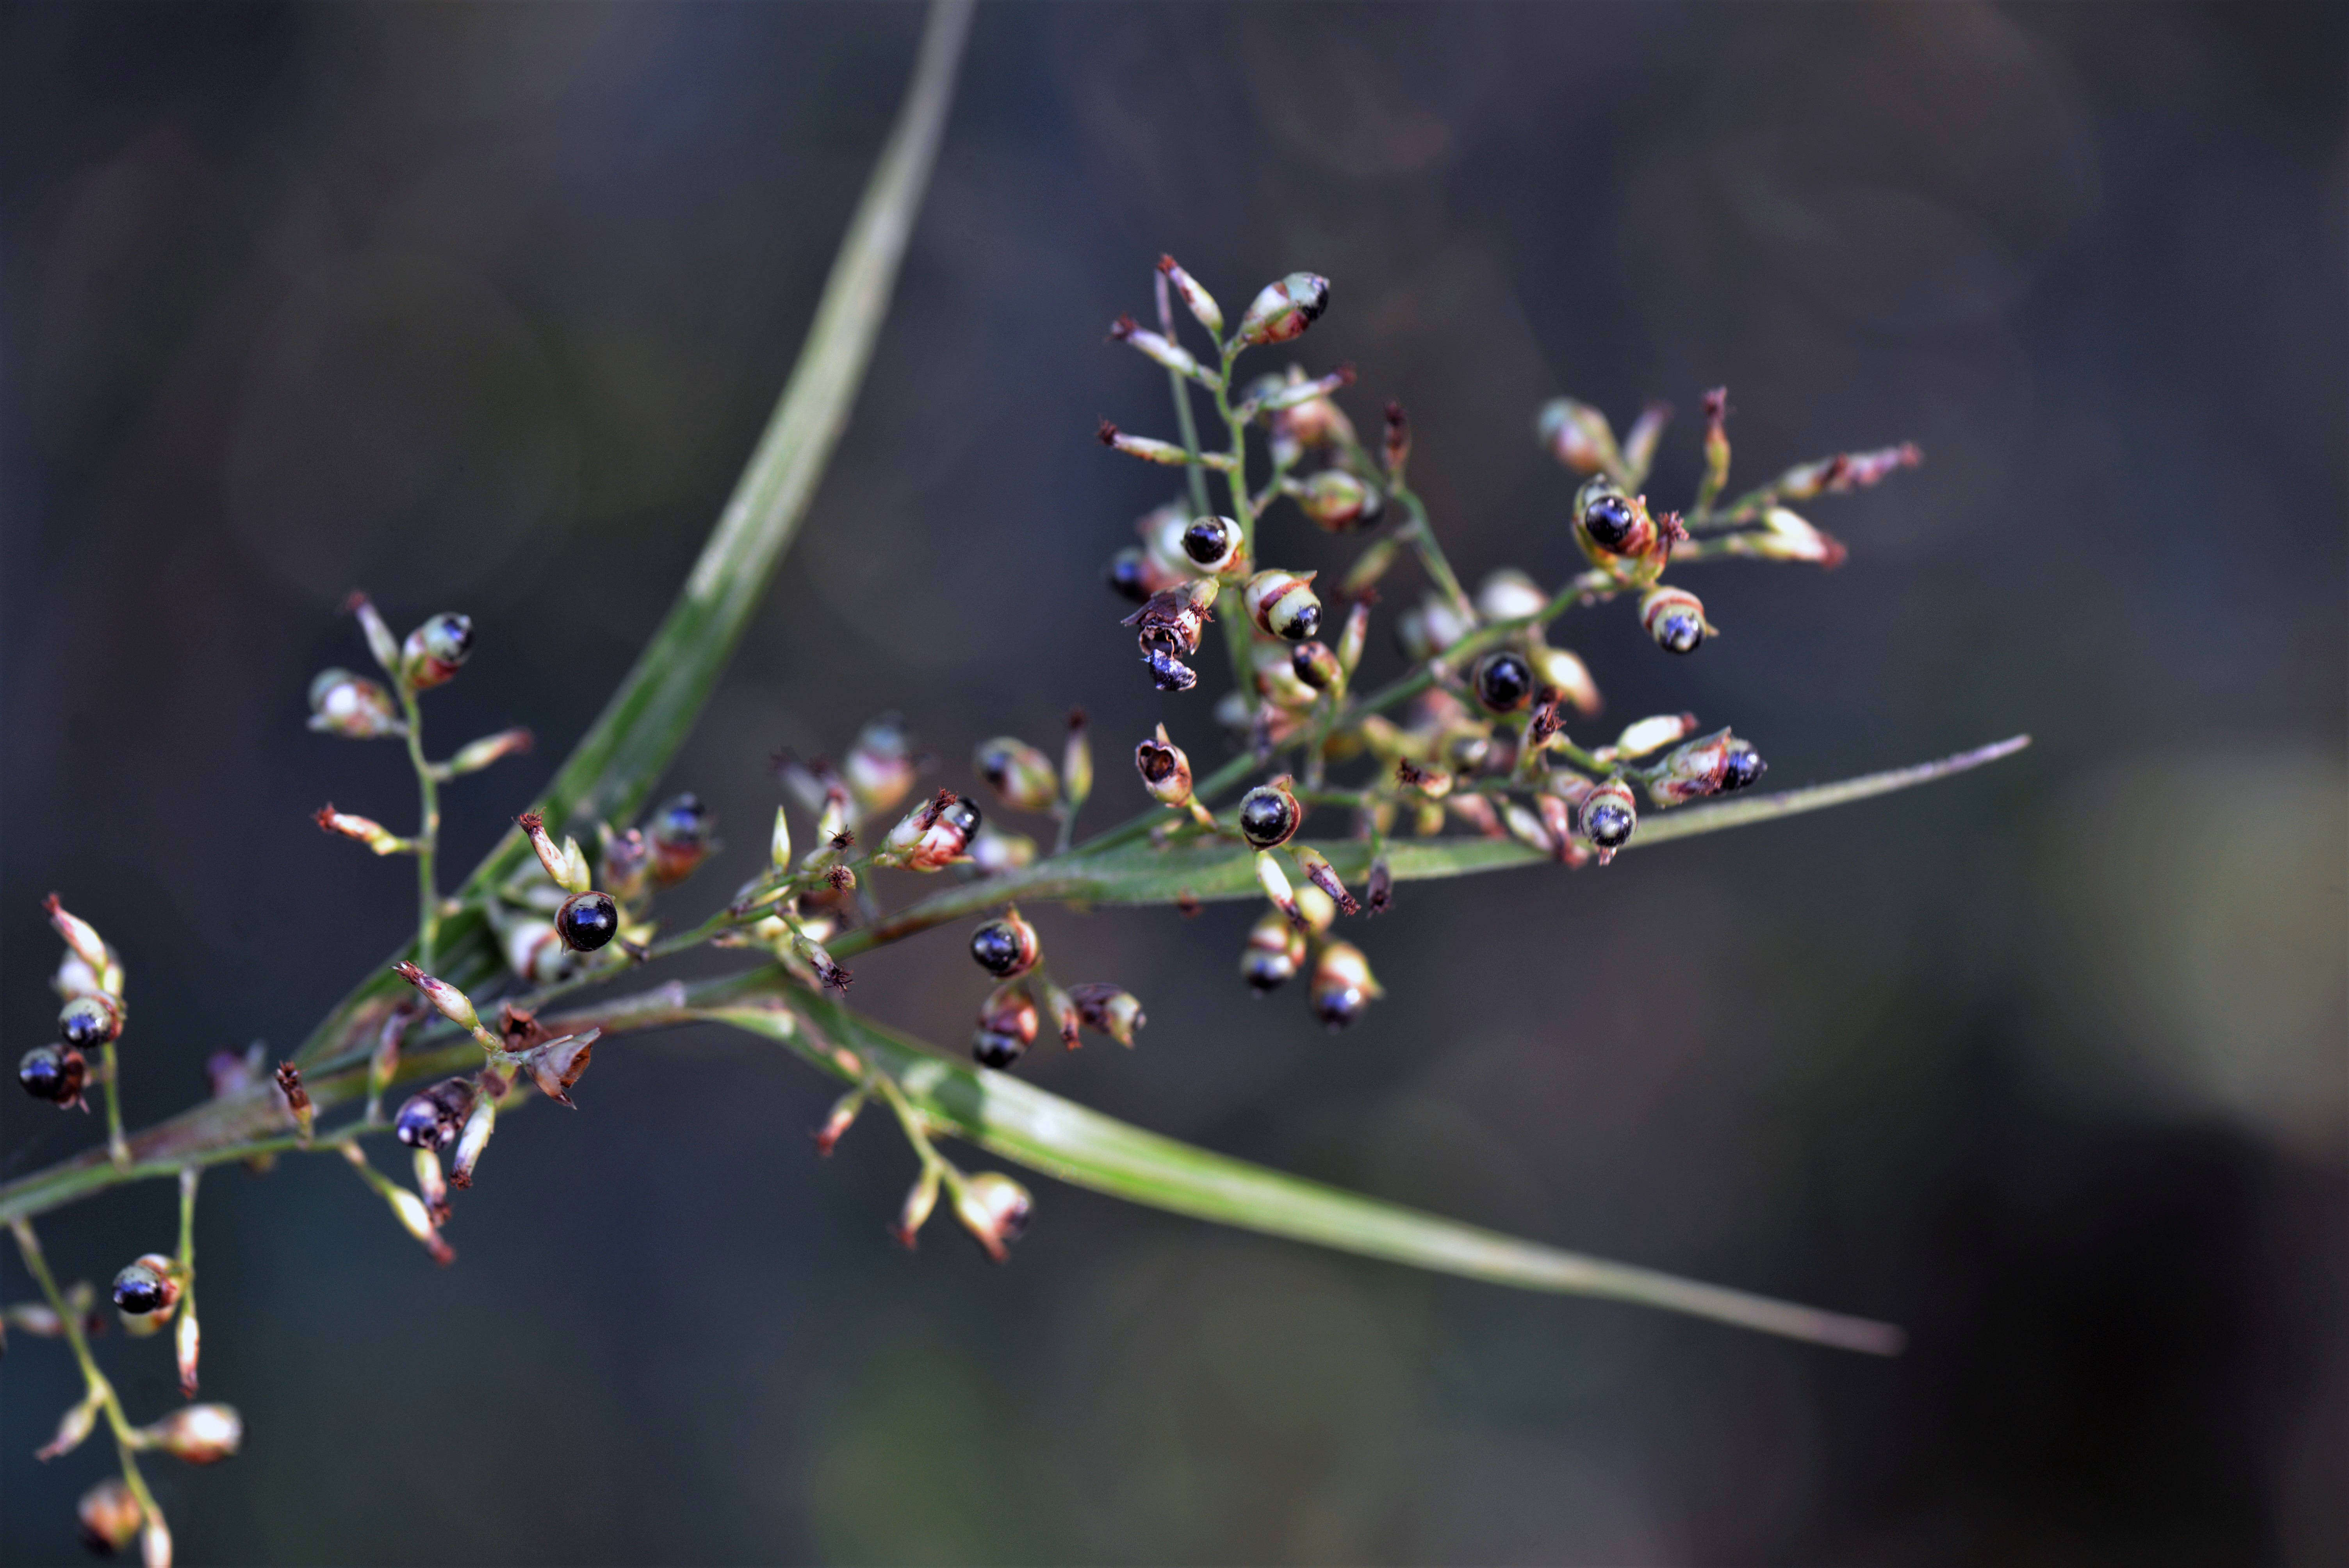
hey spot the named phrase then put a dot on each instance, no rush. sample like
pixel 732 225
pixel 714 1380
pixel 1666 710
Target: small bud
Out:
pixel 298 1099
pixel 477 755
pixel 200 1434
pixel 1274 952
pixel 994 853
pixel 587 921
pixel 1337 501
pixel 431 1118
pixel 1008 1023
pixel 880 766
pixel 1324 877
pixel 80 935
pixel 1430 627
pixel 1076 762
pixel 479 1123
pixel 1846 471
pixel 1613 527
pixel 1283 604
pixel 447 1000
pixel 89 1022
pixel 79 1421
pixel 352 707
pixel 1557 821
pixel 1640 442
pixel 1212 544
pixel 431 1184
pixel 187 1347
pixel 1378 890
pixel 1018 772
pixel 1503 681
pixel 1316 667
pixel 154 1542
pixel 149 1284
pixel 436 650
pixel 75 977
pixel 1509 595
pixel 54 1073
pixel 1284 310
pixel 1199 301
pixel 1558 670
pixel 779 845
pixel 1653 734
pixel 555 1065
pixel 1343 985
pixel 935 833
pixel 1674 617
pixel 1715 476
pixel 1149 448
pixel 1156 346
pixel 995 1208
pixel 110 1516
pixel 379 640
pixel 1370 566
pixel 1350 640
pixel 1109 1010
pixel 1578 436
pixel 1275 669
pixel 1396 448
pixel 1785 536
pixel 1718 764
pixel 1606 817
pixel 919 1202
pixel 679 835
pixel 1165 770
pixel 1269 815
pixel 366 829
pixel 1528 828
pixel 1275 883
pixel 560 867
pixel 1006 947
pixel 1301 413
pixel 836 1125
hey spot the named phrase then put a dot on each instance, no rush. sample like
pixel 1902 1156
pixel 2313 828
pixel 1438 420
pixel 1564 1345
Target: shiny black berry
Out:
pixel 89 1022
pixel 587 921
pixel 1127 577
pixel 1003 949
pixel 1269 816
pixel 1266 972
pixel 1339 1006
pixel 1608 519
pixel 1607 822
pixel 1741 767
pixel 683 821
pixel 139 1290
pixel 1210 541
pixel 52 1073
pixel 961 816
pixel 1504 681
pixel 997 1048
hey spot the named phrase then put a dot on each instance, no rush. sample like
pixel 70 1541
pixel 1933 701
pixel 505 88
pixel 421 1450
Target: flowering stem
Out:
pixel 427 832
pixel 125 1439
pixel 1193 473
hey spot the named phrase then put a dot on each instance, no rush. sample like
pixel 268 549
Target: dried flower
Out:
pixel 995 1208
pixel 200 1434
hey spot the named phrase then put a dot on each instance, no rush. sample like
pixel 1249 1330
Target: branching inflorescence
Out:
pixel 1475 735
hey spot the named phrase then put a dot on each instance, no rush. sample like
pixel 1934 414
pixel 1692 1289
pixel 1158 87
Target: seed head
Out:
pixel 352 707
pixel 436 650
pixel 1109 1010
pixel 110 1516
pixel 1606 818
pixel 1343 985
pixel 1337 503
pixel 679 836
pixel 1674 617
pixel 1269 815
pixel 995 1208
pixel 200 1434
pixel 1007 1022
pixel 1019 774
pixel 1006 947
pixel 54 1073
pixel 149 1284
pixel 881 765
pixel 1578 436
pixel 1274 954
pixel 1282 603
pixel 1284 309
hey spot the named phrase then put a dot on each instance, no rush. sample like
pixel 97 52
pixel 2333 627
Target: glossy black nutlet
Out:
pixel 1304 624
pixel 1209 541
pixel 961 816
pixel 448 637
pixel 684 820
pixel 1680 629
pixel 420 1125
pixel 1609 521
pixel 1608 823
pixel 997 1048
pixel 89 1022
pixel 1741 766
pixel 139 1290
pixel 1266 972
pixel 1127 577
pixel 1504 681
pixel 999 948
pixel 52 1073
pixel 1339 1006
pixel 1268 815
pixel 587 921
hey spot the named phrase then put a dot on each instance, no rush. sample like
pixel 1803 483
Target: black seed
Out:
pixel 1608 519
pixel 587 921
pixel 1608 824
pixel 1125 576
pixel 1303 625
pixel 139 1290
pixel 683 821
pixel 1266 972
pixel 1680 631
pixel 1503 682
pixel 419 1125
pixel 1205 542
pixel 997 947
pixel 50 1073
pixel 1339 1006
pixel 995 1048
pixel 86 1023
pixel 961 816
pixel 1743 766
pixel 1268 816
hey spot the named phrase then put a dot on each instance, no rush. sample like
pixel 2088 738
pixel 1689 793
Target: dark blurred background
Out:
pixel 482 307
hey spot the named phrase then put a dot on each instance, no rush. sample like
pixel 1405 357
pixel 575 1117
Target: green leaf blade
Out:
pixel 1060 1139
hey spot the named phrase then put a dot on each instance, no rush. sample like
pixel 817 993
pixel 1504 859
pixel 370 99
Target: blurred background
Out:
pixel 482 308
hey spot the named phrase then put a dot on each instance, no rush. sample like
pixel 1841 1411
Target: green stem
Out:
pixel 428 834
pixel 125 1439
pixel 110 1064
pixel 1193 473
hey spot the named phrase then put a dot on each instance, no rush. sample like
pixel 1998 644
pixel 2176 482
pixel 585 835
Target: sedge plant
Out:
pixel 1481 757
